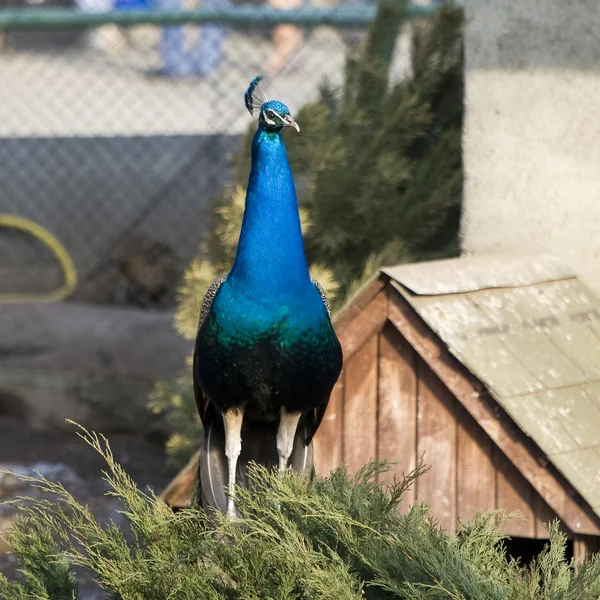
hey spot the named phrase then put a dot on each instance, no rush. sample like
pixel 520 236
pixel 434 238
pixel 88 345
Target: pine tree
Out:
pixel 386 179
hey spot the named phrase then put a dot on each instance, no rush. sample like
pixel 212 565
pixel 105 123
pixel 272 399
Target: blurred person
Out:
pixel 287 38
pixel 206 54
pixel 105 38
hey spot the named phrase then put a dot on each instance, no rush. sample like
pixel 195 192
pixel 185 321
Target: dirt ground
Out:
pixel 64 457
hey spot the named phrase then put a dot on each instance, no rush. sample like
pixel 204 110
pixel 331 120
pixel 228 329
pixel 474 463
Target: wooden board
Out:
pixel 476 474
pixel 368 322
pixel 359 301
pixel 328 440
pixel 397 418
pixel 360 406
pixel 584 547
pixel 514 493
pixel 544 515
pixel 436 439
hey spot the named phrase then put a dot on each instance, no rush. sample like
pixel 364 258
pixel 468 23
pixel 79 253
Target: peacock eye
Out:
pixel 270 114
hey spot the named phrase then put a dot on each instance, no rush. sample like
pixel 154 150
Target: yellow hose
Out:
pixel 63 259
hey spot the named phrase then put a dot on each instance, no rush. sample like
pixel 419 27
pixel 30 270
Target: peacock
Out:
pixel 266 355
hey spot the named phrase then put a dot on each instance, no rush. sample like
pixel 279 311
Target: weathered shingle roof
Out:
pixel 529 329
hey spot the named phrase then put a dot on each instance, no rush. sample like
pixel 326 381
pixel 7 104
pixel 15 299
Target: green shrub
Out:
pixel 335 538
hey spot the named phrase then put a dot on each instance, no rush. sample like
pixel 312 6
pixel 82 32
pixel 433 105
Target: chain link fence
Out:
pixel 114 139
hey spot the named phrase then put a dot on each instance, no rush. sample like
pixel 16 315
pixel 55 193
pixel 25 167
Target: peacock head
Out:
pixel 273 115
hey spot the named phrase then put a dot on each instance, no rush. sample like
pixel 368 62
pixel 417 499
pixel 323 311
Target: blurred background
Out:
pixel 124 154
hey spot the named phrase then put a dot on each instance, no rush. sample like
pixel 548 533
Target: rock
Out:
pixel 93 364
pixel 14 478
pixel 10 484
pixel 5 524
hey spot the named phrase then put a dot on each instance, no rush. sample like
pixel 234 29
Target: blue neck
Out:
pixel 270 255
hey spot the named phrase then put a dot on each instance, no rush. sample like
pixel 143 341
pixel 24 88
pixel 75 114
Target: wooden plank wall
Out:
pixel 388 403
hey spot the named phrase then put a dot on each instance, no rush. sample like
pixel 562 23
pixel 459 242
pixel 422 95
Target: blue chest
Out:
pixel 269 290
pixel 250 313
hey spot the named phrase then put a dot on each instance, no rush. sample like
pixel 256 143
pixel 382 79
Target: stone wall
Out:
pixel 95 365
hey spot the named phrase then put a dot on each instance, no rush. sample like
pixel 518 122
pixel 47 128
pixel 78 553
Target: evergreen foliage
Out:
pixel 338 538
pixel 175 399
pixel 379 174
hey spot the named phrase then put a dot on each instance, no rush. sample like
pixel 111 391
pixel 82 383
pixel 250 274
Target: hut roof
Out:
pixel 529 330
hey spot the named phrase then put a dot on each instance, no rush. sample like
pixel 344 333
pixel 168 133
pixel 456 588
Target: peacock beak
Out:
pixel 289 122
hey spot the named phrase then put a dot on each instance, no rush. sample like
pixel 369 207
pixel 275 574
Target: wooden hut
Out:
pixel 489 367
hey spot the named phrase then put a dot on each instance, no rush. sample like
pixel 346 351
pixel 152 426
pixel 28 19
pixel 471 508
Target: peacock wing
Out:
pixel 315 422
pixel 323 296
pixel 205 408
pixel 319 412
pixel 209 298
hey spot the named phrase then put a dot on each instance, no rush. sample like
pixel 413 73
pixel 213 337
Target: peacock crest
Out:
pixel 255 97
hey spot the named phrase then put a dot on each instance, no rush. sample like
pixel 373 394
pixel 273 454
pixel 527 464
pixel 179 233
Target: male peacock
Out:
pixel 266 351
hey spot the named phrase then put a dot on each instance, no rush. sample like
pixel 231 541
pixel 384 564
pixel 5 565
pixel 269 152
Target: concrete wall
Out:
pixel 532 131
